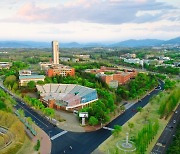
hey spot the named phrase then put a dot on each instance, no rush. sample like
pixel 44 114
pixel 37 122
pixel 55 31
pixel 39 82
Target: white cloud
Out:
pixel 88 20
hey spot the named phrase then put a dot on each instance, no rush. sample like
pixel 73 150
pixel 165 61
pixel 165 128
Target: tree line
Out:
pixel 145 136
pixel 137 87
pixel 169 104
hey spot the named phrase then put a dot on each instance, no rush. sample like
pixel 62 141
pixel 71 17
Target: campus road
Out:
pixel 167 135
pixel 81 143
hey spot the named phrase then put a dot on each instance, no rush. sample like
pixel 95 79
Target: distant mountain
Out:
pixel 24 44
pixel 138 43
pixel 173 41
pixel 127 43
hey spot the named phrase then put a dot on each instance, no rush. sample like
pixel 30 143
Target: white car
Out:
pixel 174 121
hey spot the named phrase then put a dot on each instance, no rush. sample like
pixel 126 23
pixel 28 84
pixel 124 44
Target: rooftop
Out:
pixel 31 77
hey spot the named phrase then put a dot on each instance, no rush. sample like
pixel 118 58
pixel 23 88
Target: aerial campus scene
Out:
pixel 90 77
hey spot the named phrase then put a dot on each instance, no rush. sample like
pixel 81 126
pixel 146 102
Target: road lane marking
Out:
pixel 32 115
pixel 58 135
pixel 111 129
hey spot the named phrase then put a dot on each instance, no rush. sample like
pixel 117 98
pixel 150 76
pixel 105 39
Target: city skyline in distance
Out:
pixel 94 21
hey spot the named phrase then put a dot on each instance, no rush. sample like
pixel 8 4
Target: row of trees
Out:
pixel 145 136
pixel 37 104
pixel 16 66
pixel 6 102
pixel 163 69
pixel 169 103
pixel 137 87
pixel 169 84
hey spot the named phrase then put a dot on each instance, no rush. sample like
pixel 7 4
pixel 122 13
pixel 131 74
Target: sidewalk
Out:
pixel 45 142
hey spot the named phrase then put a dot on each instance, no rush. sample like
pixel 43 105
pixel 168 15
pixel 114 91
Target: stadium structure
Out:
pixel 66 96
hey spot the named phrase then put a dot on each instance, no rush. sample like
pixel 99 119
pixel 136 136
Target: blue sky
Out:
pixel 89 20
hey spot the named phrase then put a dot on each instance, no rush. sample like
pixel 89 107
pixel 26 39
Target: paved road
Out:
pixel 81 143
pixel 167 135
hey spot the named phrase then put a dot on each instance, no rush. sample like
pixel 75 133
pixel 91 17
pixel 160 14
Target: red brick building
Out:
pixel 60 70
pixel 122 76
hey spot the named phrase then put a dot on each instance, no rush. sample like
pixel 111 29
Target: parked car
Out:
pixel 75 112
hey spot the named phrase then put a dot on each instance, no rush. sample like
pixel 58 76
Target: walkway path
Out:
pixel 45 142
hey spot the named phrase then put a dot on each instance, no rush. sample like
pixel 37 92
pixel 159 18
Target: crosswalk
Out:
pixel 58 135
pixel 108 128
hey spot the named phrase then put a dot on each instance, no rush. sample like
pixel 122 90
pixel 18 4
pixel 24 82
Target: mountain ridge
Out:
pixel 127 43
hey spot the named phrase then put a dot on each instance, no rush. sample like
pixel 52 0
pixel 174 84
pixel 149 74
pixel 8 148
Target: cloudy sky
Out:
pixel 89 20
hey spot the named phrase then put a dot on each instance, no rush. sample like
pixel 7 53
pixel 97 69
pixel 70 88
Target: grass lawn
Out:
pixel 139 120
pixel 19 148
pixel 27 148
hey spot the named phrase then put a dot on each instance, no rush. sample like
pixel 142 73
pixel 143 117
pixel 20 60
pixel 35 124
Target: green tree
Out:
pixel 117 130
pixel 37 146
pixel 9 81
pixel 93 121
pixel 139 109
pixel 31 84
pixel 130 125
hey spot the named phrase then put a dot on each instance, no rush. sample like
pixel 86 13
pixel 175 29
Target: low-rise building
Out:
pixel 5 65
pixel 65 59
pixel 24 72
pixel 164 58
pixel 75 60
pixel 134 61
pixel 83 57
pixel 45 65
pixel 24 79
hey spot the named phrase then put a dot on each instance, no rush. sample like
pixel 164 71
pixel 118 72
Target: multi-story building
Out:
pixel 121 77
pixel 60 70
pixel 112 75
pixel 55 51
pixel 53 69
